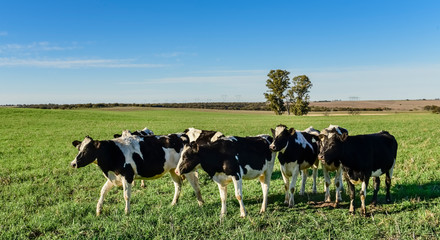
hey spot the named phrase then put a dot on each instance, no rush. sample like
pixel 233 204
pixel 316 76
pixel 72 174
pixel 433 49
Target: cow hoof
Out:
pixel 200 203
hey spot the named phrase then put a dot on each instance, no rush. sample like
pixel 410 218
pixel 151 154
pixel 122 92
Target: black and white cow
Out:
pixel 297 150
pixel 132 157
pixel 144 132
pixel 362 157
pixel 333 166
pixel 232 159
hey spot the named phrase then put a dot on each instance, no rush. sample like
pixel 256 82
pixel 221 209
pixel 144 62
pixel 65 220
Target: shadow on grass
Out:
pixel 404 197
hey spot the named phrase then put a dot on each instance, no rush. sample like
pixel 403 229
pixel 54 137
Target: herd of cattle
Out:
pixel 143 155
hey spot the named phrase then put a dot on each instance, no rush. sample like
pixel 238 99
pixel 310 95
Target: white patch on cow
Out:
pixel 193 134
pixel 288 168
pixel 216 136
pixel 115 179
pixel 84 144
pixel 279 130
pixel 300 139
pixel 222 178
pixel 376 173
pixel 253 173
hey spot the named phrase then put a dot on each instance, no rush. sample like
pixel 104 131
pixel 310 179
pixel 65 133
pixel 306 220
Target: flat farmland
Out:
pixel 43 198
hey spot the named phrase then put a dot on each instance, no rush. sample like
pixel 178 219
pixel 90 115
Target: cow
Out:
pixel 144 132
pixel 133 157
pixel 333 166
pixel 297 150
pixel 362 157
pixel 232 159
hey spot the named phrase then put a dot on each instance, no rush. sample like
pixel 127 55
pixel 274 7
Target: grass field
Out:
pixel 42 197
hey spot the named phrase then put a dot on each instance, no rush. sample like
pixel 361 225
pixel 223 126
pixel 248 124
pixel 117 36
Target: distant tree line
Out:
pixel 255 106
pixel 432 108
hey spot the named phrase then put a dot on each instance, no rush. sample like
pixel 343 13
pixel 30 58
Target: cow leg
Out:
pixel 295 174
pixel 304 174
pixel 142 183
pixel 363 194
pixel 194 181
pixel 326 184
pixel 104 190
pixel 315 174
pixel 389 175
pixel 286 186
pixel 238 185
pixel 265 182
pixel 376 185
pixel 127 194
pixel 223 195
pixel 177 186
pixel 339 185
pixel 352 193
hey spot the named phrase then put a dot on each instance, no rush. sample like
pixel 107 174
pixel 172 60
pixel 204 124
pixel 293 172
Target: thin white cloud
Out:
pixel 3 33
pixel 75 63
pixel 35 47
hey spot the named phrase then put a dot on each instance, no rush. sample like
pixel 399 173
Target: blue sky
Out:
pixel 187 51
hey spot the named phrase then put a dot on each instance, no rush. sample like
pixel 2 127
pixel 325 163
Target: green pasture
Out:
pixel 42 197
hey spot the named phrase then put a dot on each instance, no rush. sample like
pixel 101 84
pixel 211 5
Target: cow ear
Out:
pixel 273 132
pixel 97 144
pixel 76 143
pixel 292 131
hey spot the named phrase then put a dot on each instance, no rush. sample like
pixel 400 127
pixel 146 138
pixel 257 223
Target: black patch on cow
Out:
pixel 153 160
pixel 110 158
pixel 172 141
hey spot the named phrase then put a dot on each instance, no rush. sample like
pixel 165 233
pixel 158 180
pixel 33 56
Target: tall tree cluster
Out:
pixel 282 96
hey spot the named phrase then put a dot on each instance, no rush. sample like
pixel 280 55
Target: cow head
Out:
pixel 331 145
pixel 189 159
pixel 88 152
pixel 280 138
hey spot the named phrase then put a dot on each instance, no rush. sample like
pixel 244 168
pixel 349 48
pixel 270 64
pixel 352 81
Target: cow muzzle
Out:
pixel 73 164
pixel 272 147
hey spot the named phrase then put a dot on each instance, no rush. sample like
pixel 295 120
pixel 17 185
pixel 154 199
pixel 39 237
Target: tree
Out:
pixel 298 95
pixel 277 83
